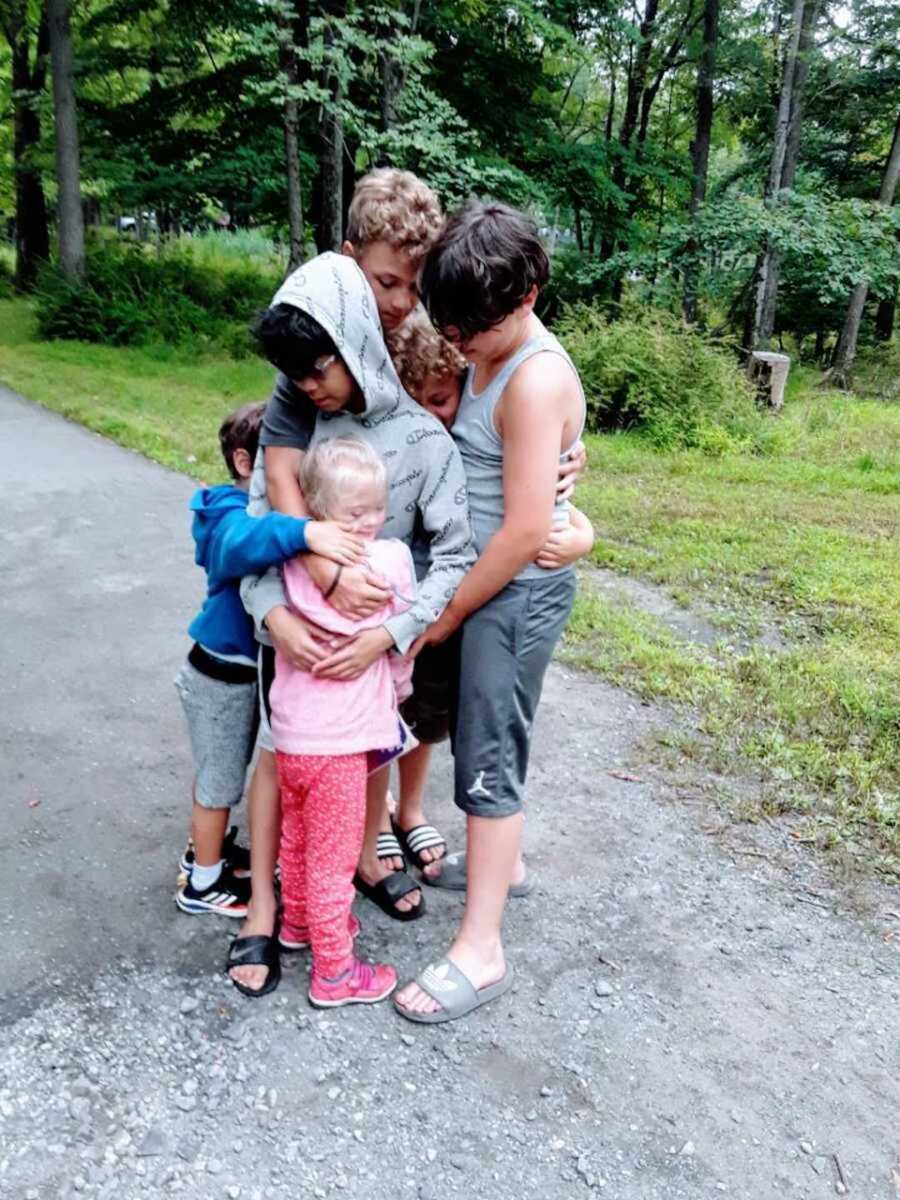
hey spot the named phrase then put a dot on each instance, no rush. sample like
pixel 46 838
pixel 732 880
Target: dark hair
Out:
pixel 240 431
pixel 291 339
pixel 486 260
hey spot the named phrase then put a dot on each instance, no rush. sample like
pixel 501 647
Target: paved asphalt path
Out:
pixel 96 556
pixel 694 1015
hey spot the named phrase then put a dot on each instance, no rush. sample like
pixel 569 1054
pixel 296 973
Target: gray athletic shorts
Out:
pixel 504 650
pixel 221 720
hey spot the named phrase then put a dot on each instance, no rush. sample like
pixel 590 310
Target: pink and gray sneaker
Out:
pixel 361 983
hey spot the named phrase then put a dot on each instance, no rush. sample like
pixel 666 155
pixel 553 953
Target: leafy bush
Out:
pixel 877 371
pixel 131 297
pixel 7 270
pixel 648 370
pixel 575 278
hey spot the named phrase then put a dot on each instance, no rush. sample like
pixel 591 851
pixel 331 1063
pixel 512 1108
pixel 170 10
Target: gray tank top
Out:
pixel 482 448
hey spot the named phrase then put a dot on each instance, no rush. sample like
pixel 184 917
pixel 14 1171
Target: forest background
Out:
pixel 712 177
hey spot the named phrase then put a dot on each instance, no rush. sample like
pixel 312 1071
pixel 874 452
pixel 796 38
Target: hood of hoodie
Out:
pixel 332 289
pixel 209 505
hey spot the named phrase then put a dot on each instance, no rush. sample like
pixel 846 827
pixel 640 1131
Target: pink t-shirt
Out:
pixel 311 715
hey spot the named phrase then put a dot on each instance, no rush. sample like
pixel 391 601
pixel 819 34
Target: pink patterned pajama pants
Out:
pixel 323 818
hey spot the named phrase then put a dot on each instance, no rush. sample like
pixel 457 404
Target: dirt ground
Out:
pixel 700 1009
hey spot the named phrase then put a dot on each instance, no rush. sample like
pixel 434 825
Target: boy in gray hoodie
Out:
pixel 323 333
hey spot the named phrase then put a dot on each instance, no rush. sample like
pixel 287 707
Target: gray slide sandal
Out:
pixel 453 877
pixel 446 984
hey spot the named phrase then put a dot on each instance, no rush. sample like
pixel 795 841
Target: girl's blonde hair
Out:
pixel 331 466
pixel 419 351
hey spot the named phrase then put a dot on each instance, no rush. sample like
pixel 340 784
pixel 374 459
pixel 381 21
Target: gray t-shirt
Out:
pixel 290 417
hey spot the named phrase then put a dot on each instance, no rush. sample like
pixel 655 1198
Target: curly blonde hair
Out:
pixel 396 207
pixel 419 351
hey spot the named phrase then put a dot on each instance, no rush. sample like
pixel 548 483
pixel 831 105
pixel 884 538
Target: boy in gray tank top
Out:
pixel 521 411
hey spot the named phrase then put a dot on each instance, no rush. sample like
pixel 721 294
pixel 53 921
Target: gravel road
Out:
pixel 695 1016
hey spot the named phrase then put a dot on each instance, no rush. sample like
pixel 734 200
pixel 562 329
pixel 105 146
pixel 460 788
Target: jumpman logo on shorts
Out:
pixel 478 788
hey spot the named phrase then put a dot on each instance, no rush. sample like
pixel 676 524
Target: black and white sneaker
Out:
pixel 235 856
pixel 228 896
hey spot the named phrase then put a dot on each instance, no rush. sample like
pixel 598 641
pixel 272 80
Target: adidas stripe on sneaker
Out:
pixel 228 896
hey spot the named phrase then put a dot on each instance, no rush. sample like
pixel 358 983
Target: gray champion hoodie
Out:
pixel 427 484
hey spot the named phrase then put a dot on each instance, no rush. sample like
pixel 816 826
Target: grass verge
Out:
pixel 164 403
pixel 807 539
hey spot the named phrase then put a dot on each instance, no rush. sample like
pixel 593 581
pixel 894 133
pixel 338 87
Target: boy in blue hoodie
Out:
pixel 218 682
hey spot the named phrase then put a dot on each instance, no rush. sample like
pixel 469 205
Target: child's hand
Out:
pixel 567 544
pixel 360 592
pixel 354 655
pixel 300 642
pixel 334 541
pixel 570 472
pixel 445 626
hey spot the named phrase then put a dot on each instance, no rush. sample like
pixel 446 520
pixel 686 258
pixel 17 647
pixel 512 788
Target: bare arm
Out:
pixel 282 486
pixel 533 421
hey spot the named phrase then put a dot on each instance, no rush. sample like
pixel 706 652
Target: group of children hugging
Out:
pixel 393 563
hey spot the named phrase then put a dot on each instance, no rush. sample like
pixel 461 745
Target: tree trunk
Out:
pixel 611 109
pixel 764 292
pixel 884 318
pixel 579 228
pixel 789 167
pixel 293 36
pixel 845 351
pixel 706 73
pixel 331 231
pixel 68 159
pixel 32 233
pixel 393 77
pixel 636 77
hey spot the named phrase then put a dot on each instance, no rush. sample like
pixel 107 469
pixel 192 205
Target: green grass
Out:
pixel 806 539
pixel 164 403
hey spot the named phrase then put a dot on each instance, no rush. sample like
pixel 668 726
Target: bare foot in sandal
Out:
pixel 260 921
pixel 482 966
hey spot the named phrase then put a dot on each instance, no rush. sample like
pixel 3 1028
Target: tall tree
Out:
pixel 68 157
pixel 293 32
pixel 763 291
pixel 29 44
pixel 331 229
pixel 706 71
pixel 845 351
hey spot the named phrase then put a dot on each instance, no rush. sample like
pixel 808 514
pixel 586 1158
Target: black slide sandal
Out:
pixel 417 839
pixel 255 951
pixel 388 891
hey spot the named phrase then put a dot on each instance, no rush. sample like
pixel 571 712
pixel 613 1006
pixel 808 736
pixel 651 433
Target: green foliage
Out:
pixel 877 372
pixel 132 297
pixel 793 557
pixel 7 271
pixel 650 371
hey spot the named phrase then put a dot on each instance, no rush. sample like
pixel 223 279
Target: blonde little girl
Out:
pixel 325 729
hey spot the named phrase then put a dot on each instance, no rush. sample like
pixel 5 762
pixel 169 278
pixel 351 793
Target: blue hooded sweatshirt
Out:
pixel 231 544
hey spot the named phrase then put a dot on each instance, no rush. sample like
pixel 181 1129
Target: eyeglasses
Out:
pixel 321 365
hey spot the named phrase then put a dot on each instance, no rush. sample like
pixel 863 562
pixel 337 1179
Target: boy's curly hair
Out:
pixel 396 207
pixel 419 351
